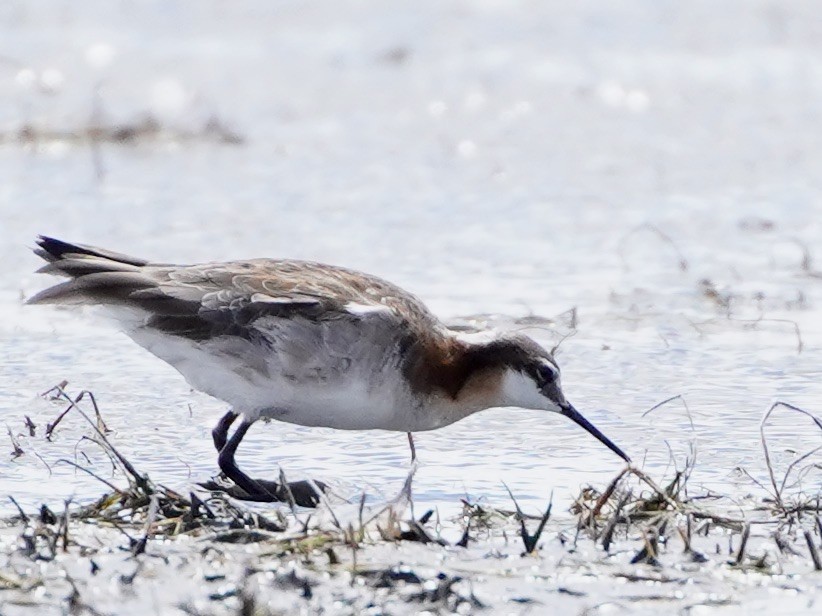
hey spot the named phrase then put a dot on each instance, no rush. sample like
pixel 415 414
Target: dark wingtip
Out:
pixel 52 249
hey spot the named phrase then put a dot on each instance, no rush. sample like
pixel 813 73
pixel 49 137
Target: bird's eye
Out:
pixel 547 375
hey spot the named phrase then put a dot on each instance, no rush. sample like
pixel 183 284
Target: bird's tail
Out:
pixel 96 275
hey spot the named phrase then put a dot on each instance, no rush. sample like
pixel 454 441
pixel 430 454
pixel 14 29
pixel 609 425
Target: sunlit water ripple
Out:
pixel 512 182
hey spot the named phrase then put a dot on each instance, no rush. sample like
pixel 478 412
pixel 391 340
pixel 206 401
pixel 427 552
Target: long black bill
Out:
pixel 571 413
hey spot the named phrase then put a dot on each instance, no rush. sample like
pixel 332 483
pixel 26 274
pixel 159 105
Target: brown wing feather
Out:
pixel 215 299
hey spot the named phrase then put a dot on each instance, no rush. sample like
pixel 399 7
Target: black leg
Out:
pixel 220 431
pixel 259 489
pixel 413 449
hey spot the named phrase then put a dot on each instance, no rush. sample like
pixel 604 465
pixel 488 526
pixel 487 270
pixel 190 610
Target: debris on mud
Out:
pixel 661 545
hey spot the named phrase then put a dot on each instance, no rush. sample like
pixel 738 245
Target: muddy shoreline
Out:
pixel 631 544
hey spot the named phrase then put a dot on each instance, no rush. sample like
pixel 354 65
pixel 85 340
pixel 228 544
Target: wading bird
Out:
pixel 309 344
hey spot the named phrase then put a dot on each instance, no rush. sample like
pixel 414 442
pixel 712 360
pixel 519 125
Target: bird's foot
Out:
pixel 303 492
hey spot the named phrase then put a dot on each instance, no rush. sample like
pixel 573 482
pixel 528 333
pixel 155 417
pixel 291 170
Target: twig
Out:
pixel 57 388
pixel 603 498
pixel 46 464
pixel 817 563
pixel 784 545
pixel 51 426
pixel 101 425
pixel 671 399
pixel 289 496
pixel 763 439
pixel 565 337
pixel 530 541
pixel 404 493
pixel 361 510
pixel 23 517
pixel 807 260
pixel 794 463
pixel 96 441
pixel 641 475
pixel 153 506
pixel 65 524
pixel 97 477
pixel 686 536
pixel 17 451
pixel 466 537
pixel 743 543
pixel 535 537
pixel 800 345
pixel 61 393
pixel 140 480
pixel 608 533
pixel 682 262
pixel 419 533
pixel 648 552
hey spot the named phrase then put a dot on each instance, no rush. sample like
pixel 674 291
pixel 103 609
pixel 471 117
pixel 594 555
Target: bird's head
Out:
pixel 530 378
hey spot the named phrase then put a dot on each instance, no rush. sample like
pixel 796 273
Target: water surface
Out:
pixel 655 168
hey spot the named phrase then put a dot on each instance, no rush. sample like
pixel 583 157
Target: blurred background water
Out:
pixel 643 174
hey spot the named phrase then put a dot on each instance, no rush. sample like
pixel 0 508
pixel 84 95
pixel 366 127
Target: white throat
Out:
pixel 520 390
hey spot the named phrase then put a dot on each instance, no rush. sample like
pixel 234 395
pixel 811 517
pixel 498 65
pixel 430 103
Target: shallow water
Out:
pixel 493 158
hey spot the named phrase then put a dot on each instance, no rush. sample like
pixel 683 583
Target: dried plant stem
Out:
pixel 817 563
pixel 648 227
pixel 800 345
pixel 743 543
pixel 652 484
pixel 603 498
pixel 97 477
pixel 608 533
pixel 23 516
pixel 777 490
pixel 679 397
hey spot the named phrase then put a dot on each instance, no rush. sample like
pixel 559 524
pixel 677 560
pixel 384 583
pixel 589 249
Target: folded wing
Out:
pixel 274 303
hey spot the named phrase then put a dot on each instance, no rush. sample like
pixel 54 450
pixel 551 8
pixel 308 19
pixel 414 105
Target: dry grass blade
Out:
pixel 794 464
pixel 653 229
pixel 650 548
pixel 546 516
pixel 663 494
pixel 154 505
pixel 139 479
pixel 57 392
pixel 23 517
pixel 800 345
pixel 144 129
pixel 777 490
pixel 85 470
pixel 520 517
pixel 418 532
pixel 64 524
pixel 17 451
pixel 679 397
pixel 608 533
pixel 606 495
pixel 743 544
pixel 817 562
pixel 466 537
pixel 286 490
pixel 528 540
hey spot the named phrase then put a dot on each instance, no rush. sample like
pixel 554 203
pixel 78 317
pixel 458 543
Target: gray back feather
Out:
pixel 242 299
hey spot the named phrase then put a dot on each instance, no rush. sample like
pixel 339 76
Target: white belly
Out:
pixel 347 405
pixel 362 398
